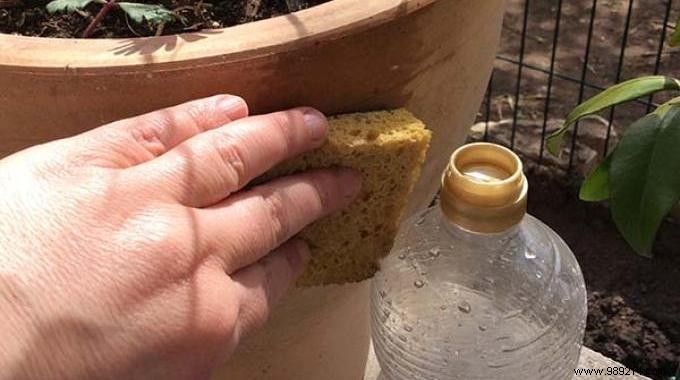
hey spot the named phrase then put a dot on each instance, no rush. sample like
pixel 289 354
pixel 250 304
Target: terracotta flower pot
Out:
pixel 433 57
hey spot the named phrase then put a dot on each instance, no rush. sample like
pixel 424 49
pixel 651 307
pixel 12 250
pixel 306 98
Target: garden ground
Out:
pixel 634 302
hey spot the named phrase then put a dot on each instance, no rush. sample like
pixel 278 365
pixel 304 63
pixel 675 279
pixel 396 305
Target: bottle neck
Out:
pixel 484 189
pixel 486 240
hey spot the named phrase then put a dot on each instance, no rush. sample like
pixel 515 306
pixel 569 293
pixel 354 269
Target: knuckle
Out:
pixel 168 241
pixel 51 167
pixel 151 135
pixel 276 213
pixel 321 183
pixel 57 158
pixel 215 303
pixel 162 233
pixel 217 323
pixel 232 159
pixel 197 111
pixel 283 123
pixel 259 309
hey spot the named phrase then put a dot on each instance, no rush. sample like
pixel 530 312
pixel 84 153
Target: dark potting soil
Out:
pixel 30 18
pixel 633 301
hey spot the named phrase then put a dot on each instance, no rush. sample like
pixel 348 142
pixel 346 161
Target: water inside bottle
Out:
pixel 477 289
pixel 462 332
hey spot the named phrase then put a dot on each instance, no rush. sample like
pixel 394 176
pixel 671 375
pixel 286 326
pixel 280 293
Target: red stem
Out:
pixel 108 7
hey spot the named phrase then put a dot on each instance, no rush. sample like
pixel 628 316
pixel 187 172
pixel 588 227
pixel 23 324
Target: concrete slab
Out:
pixel 589 360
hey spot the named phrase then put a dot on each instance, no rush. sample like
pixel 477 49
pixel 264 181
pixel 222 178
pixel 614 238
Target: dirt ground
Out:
pixel 634 302
pixel 640 56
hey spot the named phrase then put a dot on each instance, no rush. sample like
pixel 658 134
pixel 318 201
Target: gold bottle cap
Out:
pixel 484 189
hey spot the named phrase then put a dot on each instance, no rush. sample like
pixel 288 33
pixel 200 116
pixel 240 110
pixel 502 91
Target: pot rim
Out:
pixel 327 21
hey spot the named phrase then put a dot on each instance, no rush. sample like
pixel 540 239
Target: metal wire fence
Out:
pixel 554 54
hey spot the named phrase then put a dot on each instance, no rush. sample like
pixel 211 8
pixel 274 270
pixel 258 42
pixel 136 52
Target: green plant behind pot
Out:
pixel 641 176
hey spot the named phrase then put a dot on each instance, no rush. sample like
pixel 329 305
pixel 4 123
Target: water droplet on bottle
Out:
pixel 383 294
pixel 408 328
pixel 386 313
pixel 420 221
pixel 442 307
pixel 512 313
pixel 529 254
pixel 456 353
pixel 538 275
pixel 418 284
pixel 423 272
pixel 434 252
pixel 481 328
pixel 403 338
pixel 505 348
pixel 464 307
pixel 489 280
pixel 401 257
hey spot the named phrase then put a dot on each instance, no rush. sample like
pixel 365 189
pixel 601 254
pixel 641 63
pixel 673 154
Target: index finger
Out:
pixel 208 167
pixel 138 139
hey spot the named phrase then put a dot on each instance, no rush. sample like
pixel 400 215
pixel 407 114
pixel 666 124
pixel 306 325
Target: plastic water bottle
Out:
pixel 477 289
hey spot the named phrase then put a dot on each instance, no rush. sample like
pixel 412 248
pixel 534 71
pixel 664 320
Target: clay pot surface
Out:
pixel 433 57
pixel 316 333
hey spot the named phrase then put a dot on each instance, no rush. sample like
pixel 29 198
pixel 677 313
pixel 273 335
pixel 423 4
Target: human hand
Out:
pixel 131 251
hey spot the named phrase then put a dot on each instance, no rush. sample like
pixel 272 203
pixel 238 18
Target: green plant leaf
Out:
pixel 596 188
pixel 153 13
pixel 645 177
pixel 66 5
pixel 675 37
pixel 619 93
pixel 663 108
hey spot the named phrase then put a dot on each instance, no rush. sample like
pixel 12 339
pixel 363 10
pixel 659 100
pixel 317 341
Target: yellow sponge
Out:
pixel 388 148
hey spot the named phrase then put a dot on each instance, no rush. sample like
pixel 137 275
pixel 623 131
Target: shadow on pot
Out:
pixel 148 46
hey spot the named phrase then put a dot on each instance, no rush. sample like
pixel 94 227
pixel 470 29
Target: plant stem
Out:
pixel 108 7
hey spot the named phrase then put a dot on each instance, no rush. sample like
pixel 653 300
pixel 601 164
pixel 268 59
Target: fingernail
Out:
pixel 317 124
pixel 350 181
